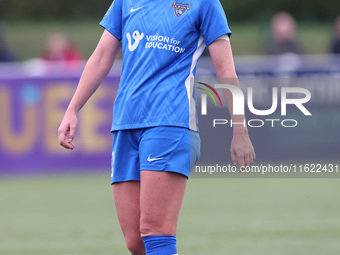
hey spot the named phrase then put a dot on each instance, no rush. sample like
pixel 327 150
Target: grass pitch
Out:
pixel 75 215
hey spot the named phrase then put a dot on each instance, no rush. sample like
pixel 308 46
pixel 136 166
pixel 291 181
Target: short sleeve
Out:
pixel 112 20
pixel 213 21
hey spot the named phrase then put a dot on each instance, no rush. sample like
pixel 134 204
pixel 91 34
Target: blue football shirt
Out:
pixel 162 41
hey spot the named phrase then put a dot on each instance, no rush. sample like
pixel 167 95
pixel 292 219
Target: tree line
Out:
pixel 240 10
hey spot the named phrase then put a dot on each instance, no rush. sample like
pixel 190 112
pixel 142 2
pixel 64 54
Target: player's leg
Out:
pixel 166 155
pixel 161 198
pixel 160 202
pixel 126 197
pixel 125 179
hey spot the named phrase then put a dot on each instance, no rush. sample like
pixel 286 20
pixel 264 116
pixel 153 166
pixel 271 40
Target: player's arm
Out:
pixel 95 71
pixel 242 151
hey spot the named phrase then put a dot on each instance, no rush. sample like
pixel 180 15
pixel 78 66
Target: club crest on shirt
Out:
pixel 180 8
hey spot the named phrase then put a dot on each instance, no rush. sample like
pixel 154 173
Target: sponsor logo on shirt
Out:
pixel 164 43
pixel 137 36
pixel 180 8
pixel 159 42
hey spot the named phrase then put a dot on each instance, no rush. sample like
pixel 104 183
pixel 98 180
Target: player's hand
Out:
pixel 67 130
pixel 242 150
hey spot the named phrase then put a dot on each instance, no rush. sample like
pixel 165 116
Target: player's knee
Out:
pixel 135 245
pixel 146 230
pixel 151 226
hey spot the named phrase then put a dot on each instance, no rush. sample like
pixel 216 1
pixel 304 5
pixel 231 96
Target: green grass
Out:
pixel 27 39
pixel 75 215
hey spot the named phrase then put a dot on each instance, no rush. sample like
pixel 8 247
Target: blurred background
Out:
pixel 27 24
pixel 54 201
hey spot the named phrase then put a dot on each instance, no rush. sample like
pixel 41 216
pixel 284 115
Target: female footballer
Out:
pixel 155 138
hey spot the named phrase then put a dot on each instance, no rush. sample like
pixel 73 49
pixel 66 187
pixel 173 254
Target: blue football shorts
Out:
pixel 163 148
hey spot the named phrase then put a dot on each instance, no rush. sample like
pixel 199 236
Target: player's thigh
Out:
pixel 126 198
pixel 160 201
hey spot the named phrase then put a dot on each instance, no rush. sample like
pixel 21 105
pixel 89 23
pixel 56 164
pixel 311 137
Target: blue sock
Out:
pixel 160 245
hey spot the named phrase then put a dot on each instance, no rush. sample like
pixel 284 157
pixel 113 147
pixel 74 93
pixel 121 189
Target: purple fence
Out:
pixel 31 109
